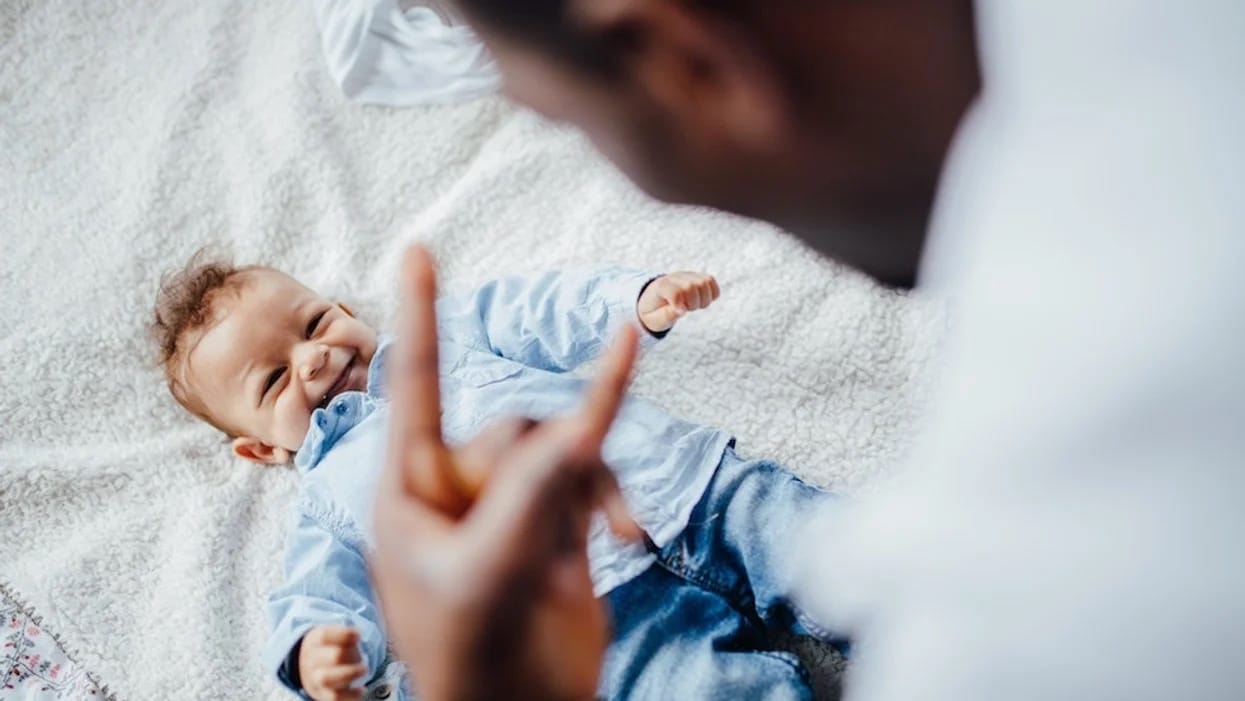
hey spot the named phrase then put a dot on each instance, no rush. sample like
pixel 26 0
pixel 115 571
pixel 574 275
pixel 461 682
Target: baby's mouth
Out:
pixel 339 385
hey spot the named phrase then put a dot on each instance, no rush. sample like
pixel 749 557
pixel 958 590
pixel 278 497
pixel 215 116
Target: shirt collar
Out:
pixel 343 413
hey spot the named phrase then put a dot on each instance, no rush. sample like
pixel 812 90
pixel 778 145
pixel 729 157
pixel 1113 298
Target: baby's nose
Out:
pixel 314 362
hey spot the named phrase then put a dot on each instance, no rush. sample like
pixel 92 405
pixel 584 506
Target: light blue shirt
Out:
pixel 506 349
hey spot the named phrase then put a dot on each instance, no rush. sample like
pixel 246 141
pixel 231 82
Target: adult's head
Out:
pixel 830 118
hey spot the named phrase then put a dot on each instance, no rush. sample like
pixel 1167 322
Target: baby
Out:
pixel 291 376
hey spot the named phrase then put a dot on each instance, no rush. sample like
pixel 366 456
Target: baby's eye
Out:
pixel 273 377
pixel 315 323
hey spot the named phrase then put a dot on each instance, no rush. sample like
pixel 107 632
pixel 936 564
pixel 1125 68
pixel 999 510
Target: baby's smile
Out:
pixel 349 378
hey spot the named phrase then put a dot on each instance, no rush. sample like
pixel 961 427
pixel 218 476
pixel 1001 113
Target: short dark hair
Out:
pixel 547 24
pixel 544 23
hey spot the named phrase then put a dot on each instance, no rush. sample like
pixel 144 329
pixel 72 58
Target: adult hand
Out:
pixel 481 562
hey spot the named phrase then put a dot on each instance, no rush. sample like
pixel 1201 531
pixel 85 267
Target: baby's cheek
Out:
pixel 292 425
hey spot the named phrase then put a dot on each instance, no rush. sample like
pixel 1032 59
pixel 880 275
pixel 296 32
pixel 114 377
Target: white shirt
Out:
pixel 1072 522
pixel 404 53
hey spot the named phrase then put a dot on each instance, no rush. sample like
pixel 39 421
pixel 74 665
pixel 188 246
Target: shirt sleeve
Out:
pixel 555 321
pixel 379 53
pixel 326 583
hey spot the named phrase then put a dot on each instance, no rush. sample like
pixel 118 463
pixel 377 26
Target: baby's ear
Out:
pixel 346 309
pixel 257 451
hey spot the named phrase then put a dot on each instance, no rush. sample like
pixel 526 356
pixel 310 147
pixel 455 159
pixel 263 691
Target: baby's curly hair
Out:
pixel 185 303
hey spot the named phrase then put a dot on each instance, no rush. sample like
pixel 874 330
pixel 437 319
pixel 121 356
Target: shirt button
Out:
pixel 382 692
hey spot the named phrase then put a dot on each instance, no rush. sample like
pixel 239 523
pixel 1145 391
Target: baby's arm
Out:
pixel 558 320
pixel 322 616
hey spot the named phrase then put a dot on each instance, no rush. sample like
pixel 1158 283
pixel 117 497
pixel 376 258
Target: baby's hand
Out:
pixel 329 662
pixel 669 297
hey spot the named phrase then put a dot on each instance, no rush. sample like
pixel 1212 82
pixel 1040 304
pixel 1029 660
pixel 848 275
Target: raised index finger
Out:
pixel 605 394
pixel 414 380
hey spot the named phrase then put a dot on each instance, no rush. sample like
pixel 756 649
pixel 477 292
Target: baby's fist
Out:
pixel 669 297
pixel 329 662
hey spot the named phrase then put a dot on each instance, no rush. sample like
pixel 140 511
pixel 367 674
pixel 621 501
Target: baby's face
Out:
pixel 275 353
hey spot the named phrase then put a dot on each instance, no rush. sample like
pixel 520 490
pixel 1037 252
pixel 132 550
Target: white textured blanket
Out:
pixel 131 133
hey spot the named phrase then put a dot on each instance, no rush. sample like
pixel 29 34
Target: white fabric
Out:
pixel 1070 524
pixel 133 132
pixel 400 54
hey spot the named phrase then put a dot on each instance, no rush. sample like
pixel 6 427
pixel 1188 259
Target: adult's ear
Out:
pixel 718 79
pixel 257 451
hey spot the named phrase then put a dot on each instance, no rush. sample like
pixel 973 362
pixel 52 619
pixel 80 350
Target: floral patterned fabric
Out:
pixel 35 665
